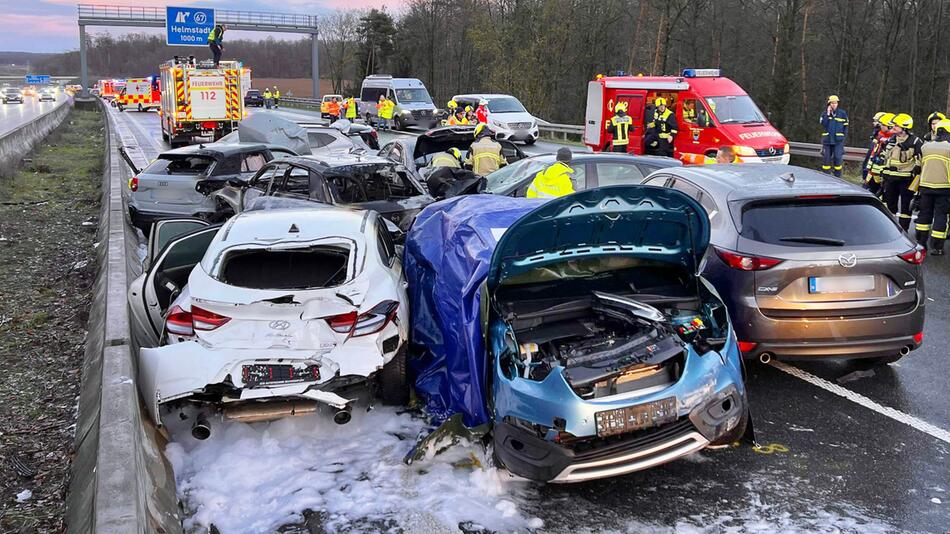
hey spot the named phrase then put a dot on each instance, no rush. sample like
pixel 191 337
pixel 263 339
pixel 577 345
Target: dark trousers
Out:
pixel 618 148
pixel 216 52
pixel 832 155
pixel 932 217
pixel 898 197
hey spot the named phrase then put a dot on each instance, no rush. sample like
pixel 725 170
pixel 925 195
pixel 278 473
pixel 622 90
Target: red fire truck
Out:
pixel 199 100
pixel 140 93
pixel 711 110
pixel 108 89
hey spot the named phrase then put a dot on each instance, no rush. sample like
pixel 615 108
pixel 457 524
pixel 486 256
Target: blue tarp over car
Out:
pixel 447 256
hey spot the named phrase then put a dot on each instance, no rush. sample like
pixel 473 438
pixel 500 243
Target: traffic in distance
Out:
pixel 585 314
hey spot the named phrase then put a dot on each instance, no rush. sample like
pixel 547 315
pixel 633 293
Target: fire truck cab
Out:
pixel 199 100
pixel 711 111
pixel 140 93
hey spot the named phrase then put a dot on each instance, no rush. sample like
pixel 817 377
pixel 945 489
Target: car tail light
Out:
pixel 915 255
pixel 747 346
pixel 919 338
pixel 745 262
pixel 134 184
pixel 179 322
pixel 205 320
pixel 365 323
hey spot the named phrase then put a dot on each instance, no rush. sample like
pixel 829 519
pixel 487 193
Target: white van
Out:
pixel 414 106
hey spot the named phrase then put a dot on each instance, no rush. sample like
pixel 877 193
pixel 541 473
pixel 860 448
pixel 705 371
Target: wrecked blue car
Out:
pixel 577 329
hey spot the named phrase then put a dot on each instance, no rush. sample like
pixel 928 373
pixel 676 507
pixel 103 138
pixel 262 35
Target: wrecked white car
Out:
pixel 271 314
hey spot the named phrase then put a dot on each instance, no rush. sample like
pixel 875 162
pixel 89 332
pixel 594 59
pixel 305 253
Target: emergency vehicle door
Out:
pixel 636 100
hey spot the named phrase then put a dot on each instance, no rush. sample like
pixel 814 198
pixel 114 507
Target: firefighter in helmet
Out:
pixel 619 127
pixel 935 189
pixel 901 165
pixel 662 129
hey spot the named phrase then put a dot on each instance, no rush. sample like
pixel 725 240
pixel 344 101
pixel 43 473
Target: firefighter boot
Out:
pixel 936 247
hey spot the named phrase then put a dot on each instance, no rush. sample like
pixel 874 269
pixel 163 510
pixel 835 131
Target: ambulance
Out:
pixel 712 111
pixel 108 89
pixel 142 94
pixel 199 100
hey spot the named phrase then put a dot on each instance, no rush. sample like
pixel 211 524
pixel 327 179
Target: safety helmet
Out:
pixel 452 104
pixel 936 115
pixel 621 106
pixel 456 153
pixel 481 129
pixel 468 108
pixel 483 102
pixel 904 120
pixel 944 125
pixel 887 119
pixel 660 101
pixel 832 98
pixel 878 115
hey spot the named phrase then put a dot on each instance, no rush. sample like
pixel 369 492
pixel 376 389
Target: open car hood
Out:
pixel 273 130
pixel 440 139
pixel 638 221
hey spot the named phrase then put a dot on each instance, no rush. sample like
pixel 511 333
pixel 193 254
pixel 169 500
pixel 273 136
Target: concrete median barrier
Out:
pixel 20 141
pixel 120 479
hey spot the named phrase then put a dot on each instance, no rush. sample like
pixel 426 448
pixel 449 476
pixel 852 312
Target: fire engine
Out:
pixel 711 110
pixel 199 100
pixel 140 93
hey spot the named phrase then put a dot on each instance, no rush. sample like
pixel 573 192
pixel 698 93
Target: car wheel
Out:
pixel 530 141
pixel 735 434
pixel 392 382
pixel 398 124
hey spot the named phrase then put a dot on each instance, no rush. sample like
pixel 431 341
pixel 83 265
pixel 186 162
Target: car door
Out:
pixel 608 173
pixel 151 293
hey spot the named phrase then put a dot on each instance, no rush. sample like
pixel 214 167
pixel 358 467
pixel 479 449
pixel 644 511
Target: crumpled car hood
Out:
pixel 270 129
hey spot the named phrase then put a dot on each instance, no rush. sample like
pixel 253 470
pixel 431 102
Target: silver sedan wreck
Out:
pixel 272 314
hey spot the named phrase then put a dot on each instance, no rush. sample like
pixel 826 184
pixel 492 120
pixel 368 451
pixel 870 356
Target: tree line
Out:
pixel 788 54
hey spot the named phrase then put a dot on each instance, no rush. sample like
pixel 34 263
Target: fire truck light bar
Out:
pixel 702 73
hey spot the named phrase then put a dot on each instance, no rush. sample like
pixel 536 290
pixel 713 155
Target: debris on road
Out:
pixel 24 496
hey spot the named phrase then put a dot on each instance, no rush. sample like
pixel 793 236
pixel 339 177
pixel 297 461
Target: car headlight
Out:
pixel 744 150
pixel 405 112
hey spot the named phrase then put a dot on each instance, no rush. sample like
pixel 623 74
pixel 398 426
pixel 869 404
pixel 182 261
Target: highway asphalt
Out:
pixel 843 447
pixel 13 115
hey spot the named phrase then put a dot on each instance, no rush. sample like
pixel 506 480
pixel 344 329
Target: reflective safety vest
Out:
pixel 664 125
pixel 216 35
pixel 333 108
pixel 277 93
pixel 386 109
pixel 485 156
pixel 444 159
pixel 901 156
pixel 267 94
pixel 351 108
pixel 875 165
pixel 619 128
pixel 936 165
pixel 553 182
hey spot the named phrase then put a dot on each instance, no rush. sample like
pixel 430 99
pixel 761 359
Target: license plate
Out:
pixel 622 420
pixel 840 284
pixel 273 374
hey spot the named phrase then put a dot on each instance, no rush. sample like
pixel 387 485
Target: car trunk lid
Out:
pixel 171 179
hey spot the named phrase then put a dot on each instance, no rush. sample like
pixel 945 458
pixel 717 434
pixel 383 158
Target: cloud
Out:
pixel 32 26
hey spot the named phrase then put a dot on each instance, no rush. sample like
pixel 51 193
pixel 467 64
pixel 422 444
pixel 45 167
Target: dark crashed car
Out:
pixel 349 179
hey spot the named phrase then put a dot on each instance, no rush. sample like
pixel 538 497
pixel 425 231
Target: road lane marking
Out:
pixel 857 398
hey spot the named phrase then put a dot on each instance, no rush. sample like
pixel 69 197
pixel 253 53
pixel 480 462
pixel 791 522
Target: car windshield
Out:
pixel 818 222
pixel 180 165
pixel 413 96
pixel 253 92
pixel 735 109
pixel 505 105
pixel 511 175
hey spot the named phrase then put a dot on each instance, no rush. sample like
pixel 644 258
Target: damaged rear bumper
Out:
pixel 186 370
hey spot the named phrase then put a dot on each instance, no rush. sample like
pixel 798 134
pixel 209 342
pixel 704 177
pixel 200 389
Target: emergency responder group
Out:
pixel 484 155
pixel 659 133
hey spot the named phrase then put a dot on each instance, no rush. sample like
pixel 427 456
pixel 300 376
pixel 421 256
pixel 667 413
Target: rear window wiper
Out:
pixel 814 240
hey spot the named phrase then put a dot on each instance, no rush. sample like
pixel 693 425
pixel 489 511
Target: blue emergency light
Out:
pixel 702 73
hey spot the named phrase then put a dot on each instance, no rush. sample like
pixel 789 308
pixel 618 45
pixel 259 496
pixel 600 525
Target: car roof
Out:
pixel 293 224
pixel 486 96
pixel 320 162
pixel 215 150
pixel 754 181
pixel 593 157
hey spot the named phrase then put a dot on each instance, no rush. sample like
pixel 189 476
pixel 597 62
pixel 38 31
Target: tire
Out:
pixel 529 141
pixel 398 125
pixel 392 383
pixel 164 136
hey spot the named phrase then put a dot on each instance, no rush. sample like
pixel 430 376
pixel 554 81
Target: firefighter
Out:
pixel 935 189
pixel 268 98
pixel 276 97
pixel 901 165
pixel 872 142
pixel 450 158
pixel 481 113
pixel 876 162
pixel 834 122
pixel 932 121
pixel 484 156
pixel 470 115
pixel 662 130
pixel 555 181
pixel 216 42
pixel 351 110
pixel 619 126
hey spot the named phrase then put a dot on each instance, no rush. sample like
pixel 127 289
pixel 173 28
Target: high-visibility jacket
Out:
pixel 444 159
pixel 351 108
pixel 216 35
pixel 664 126
pixel 485 156
pixel 268 94
pixel 901 157
pixel 835 126
pixel 935 173
pixel 277 93
pixel 333 108
pixel 386 109
pixel 875 164
pixel 553 182
pixel 619 128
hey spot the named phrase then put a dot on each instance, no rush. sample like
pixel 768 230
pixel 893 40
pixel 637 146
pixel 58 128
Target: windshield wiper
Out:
pixel 814 240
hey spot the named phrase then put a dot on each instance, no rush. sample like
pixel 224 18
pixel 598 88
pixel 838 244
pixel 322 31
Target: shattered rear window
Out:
pixel 188 165
pixel 305 268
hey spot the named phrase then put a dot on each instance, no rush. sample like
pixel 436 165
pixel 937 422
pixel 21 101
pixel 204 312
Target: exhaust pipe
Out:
pixel 258 412
pixel 765 357
pixel 905 350
pixel 342 417
pixel 201 429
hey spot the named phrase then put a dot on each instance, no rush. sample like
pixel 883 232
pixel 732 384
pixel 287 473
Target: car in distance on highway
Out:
pixel 325 104
pixel 253 98
pixel 810 266
pixel 507 116
pixel 12 94
pixel 46 95
pixel 590 170
pixel 271 314
pixel 167 186
pixel 343 179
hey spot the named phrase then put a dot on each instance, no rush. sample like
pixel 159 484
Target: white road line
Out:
pixel 857 398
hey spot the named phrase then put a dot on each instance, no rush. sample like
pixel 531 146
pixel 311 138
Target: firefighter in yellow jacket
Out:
pixel 619 127
pixel 555 181
pixel 661 130
pixel 935 190
pixel 901 164
pixel 484 155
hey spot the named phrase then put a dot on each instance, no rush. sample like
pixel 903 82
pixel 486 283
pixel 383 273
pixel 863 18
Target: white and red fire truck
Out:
pixel 140 93
pixel 199 100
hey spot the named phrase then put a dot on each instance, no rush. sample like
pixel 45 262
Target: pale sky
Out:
pixel 50 25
